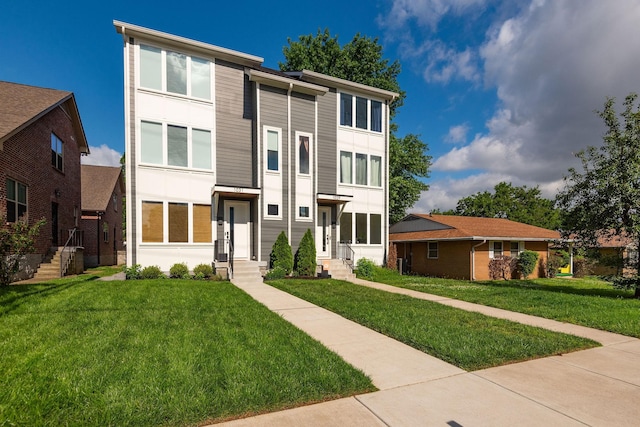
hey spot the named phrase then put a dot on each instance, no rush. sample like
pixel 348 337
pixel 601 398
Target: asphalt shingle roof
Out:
pixel 98 183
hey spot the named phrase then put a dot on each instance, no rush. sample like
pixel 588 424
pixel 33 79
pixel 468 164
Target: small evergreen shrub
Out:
pixel 179 271
pixel 305 261
pixel 151 272
pixel 275 273
pixel 527 261
pixel 364 268
pixel 203 270
pixel 281 255
pixel 133 272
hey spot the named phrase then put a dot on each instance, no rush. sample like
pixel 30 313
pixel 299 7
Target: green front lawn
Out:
pixel 154 352
pixel 589 302
pixel 468 340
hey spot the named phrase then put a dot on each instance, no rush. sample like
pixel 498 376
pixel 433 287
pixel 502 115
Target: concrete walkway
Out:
pixel 597 387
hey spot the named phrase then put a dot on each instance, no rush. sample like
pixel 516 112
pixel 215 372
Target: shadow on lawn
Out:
pixel 533 285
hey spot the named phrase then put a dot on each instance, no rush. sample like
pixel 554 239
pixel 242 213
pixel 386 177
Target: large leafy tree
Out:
pixel 521 204
pixel 603 199
pixel 361 60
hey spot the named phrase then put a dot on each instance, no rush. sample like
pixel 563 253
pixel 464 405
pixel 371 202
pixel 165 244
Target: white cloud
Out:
pixel 102 156
pixel 457 134
pixel 445 64
pixel 426 12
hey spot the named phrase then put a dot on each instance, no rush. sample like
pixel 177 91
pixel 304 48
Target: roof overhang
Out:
pixel 286 83
pixel 476 238
pixel 235 192
pixel 205 49
pixel 333 199
pixel 323 79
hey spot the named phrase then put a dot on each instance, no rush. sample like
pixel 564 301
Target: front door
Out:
pixel 323 232
pixel 236 227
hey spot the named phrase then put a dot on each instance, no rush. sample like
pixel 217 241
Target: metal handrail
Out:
pixel 222 255
pixel 73 241
pixel 346 253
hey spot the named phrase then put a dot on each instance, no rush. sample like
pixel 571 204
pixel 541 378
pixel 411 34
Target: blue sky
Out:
pixel 499 90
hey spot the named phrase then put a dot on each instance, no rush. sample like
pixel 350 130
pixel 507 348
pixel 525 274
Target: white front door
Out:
pixel 323 232
pixel 236 227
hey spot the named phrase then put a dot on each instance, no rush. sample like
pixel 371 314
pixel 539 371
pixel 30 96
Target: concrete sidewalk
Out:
pixel 598 387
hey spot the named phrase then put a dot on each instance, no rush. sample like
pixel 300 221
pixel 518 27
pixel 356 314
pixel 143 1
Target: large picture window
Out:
pixel 177 149
pixel 56 152
pixel 16 200
pixel 346 177
pixel 152 222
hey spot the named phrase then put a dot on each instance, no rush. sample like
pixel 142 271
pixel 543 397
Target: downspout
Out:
pixel 473 258
pixel 259 148
pixel 289 210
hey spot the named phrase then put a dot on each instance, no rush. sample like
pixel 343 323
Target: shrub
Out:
pixel 527 261
pixel 179 270
pixel 281 255
pixel 132 273
pixel 365 268
pixel 502 267
pixel 204 270
pixel 275 273
pixel 16 240
pixel 305 264
pixel 626 283
pixel 554 262
pixel 151 272
pixel 582 266
pixel 392 257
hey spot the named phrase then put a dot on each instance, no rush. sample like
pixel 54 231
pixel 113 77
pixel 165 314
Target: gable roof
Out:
pixel 98 183
pixel 420 227
pixel 22 105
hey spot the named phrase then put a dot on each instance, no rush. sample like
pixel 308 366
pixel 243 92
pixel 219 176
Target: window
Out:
pixel 376 171
pixel 376 116
pixel 151 142
pixel 176 73
pixel 345 167
pixel 346 227
pixel 375 229
pixel 361 113
pixel 303 212
pixel 56 152
pixel 178 222
pixel 150 67
pixel 201 223
pixel 495 249
pixel 200 78
pixel 105 232
pixel 432 250
pixel 272 210
pixel 361 228
pixel 516 248
pixel 346 109
pixel 201 149
pixel 273 148
pixel 152 222
pixel 361 169
pixel 303 155
pixel 16 200
pixel 177 146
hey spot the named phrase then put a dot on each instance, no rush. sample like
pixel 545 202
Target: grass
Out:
pixel 154 352
pixel 468 340
pixel 589 302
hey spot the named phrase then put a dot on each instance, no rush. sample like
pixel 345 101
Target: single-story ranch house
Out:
pixel 461 247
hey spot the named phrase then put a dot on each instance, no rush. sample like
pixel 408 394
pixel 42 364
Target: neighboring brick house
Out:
pixel 461 247
pixel 102 192
pixel 223 153
pixel 41 141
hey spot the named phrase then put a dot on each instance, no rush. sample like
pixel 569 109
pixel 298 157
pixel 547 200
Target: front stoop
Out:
pixel 49 269
pixel 246 272
pixel 338 269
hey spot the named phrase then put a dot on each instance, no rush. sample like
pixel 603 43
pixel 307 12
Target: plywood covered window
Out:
pixel 152 221
pixel 178 222
pixel 201 223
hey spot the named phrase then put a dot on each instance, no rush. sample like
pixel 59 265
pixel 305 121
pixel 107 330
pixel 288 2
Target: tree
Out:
pixel 16 241
pixel 361 61
pixel 519 204
pixel 281 255
pixel 306 256
pixel 603 199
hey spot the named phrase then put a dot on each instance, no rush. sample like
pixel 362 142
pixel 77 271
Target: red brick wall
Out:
pixel 26 157
pixel 113 217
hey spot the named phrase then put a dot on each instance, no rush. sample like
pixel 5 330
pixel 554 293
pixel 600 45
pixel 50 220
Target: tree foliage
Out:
pixel 519 204
pixel 281 255
pixel 361 60
pixel 305 260
pixel 16 240
pixel 527 261
pixel 603 199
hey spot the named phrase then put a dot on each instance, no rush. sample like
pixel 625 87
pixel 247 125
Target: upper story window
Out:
pixel 367 112
pixel 185 147
pixel 16 200
pixel 56 152
pixel 174 72
pixel 303 154
pixel 368 169
pixel 273 150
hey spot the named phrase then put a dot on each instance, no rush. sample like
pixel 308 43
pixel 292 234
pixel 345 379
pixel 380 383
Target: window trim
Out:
pixel 492 250
pixel 164 145
pixel 165 226
pixel 300 135
pixel 430 250
pixel 16 201
pixel 58 153
pixel 265 136
pixel 270 215
pixel 520 247
pixel 353 116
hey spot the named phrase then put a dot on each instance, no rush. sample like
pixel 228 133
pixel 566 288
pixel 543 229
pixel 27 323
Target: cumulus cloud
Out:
pixel 426 12
pixel 102 156
pixel 457 134
pixel 551 64
pixel 444 64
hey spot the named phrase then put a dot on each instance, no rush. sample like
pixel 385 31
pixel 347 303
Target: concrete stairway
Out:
pixel 49 268
pixel 338 269
pixel 246 272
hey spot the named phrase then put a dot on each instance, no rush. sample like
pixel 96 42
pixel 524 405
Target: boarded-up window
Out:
pixel 201 223
pixel 178 222
pixel 152 219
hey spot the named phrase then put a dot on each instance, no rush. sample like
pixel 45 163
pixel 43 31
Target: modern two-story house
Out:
pixel 223 154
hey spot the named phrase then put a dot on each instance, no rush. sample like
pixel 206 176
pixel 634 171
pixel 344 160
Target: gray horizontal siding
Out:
pixel 327 143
